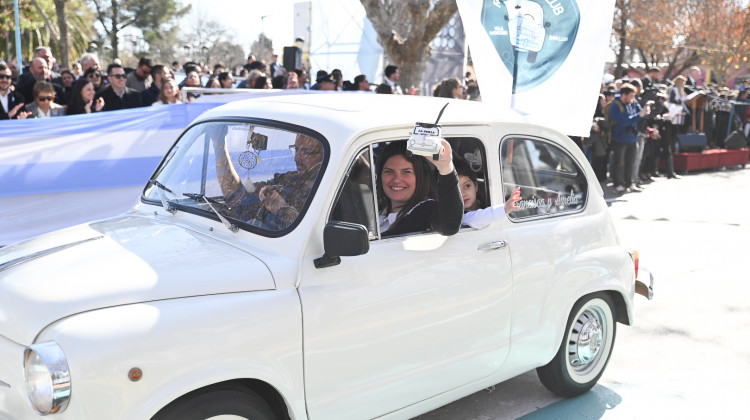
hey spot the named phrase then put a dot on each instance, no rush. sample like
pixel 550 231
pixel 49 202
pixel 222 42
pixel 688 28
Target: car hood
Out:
pixel 117 261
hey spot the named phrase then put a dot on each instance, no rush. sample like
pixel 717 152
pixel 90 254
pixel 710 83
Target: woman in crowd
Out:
pixel 92 73
pixel 404 184
pixel 82 98
pixel 261 82
pixel 677 96
pixel 450 88
pixel 192 80
pixel 43 105
pixel 169 94
pixel 213 83
pixel 67 87
pixel 292 81
pixel 226 80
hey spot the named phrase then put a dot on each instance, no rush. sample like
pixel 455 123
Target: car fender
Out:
pixel 254 335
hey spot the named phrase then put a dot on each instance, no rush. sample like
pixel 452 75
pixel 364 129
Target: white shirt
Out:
pixel 43 114
pixel 4 101
pixel 387 220
pixel 483 217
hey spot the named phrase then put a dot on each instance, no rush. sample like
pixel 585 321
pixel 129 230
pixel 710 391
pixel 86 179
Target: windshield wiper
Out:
pixel 208 201
pixel 160 188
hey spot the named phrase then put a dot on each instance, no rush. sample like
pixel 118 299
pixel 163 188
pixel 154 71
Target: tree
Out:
pixel 116 15
pixel 405 29
pixel 205 41
pixel 262 48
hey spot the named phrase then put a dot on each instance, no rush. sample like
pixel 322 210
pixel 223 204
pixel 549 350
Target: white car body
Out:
pixel 417 322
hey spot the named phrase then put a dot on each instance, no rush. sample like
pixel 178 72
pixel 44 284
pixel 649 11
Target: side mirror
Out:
pixel 342 239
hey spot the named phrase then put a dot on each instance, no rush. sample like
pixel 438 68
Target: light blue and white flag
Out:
pixel 543 58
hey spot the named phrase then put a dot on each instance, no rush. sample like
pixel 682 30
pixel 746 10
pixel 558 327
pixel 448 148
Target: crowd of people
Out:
pixel 44 90
pixel 637 123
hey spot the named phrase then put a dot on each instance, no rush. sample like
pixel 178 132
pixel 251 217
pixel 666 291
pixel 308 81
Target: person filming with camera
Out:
pixel 624 115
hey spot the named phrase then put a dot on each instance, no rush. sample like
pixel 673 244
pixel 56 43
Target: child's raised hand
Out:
pixel 515 197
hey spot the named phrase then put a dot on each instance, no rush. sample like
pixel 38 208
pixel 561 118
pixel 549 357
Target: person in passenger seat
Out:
pixel 475 215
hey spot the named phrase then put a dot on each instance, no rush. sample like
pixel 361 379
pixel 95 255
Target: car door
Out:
pixel 547 234
pixel 416 316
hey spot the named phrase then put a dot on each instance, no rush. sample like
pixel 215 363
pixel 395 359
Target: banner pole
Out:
pixel 19 61
pixel 519 21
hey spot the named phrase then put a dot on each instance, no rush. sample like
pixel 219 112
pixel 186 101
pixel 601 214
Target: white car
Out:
pixel 200 303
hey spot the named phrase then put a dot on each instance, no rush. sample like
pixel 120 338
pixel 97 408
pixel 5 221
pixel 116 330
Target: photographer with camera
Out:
pixel 624 115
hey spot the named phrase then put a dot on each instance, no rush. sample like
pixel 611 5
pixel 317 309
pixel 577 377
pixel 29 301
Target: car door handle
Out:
pixel 492 246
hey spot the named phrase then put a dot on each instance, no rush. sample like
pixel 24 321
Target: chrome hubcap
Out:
pixel 586 339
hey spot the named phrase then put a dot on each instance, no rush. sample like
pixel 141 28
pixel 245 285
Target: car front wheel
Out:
pixel 219 402
pixel 585 349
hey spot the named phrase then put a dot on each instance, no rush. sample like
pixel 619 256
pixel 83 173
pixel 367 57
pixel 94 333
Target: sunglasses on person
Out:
pixel 118 76
pixel 4 76
pixel 43 98
pixel 94 76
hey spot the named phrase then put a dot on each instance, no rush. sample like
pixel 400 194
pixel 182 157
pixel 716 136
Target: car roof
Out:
pixel 345 115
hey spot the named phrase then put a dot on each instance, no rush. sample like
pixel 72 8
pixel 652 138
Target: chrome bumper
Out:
pixel 641 288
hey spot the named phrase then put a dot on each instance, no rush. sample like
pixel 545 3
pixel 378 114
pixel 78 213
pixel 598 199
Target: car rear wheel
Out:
pixel 218 402
pixel 585 349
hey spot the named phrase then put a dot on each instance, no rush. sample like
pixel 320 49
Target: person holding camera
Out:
pixel 624 115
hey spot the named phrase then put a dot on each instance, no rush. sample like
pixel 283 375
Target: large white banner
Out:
pixel 543 58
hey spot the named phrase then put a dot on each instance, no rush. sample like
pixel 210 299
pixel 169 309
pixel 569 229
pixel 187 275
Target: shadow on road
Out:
pixel 591 405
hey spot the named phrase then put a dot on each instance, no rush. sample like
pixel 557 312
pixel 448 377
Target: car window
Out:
pixel 259 177
pixel 356 201
pixel 551 182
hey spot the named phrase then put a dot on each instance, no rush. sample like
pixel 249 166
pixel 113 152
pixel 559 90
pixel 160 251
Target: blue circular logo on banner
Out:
pixel 532 37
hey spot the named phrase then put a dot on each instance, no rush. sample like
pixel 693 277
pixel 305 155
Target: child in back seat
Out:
pixel 474 216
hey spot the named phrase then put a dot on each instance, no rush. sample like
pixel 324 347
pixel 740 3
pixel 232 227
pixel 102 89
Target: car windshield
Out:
pixel 255 177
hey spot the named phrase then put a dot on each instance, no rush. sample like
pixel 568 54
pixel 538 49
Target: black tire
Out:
pixel 217 400
pixel 582 358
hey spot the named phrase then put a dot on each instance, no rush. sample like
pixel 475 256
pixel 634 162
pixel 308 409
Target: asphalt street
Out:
pixel 688 354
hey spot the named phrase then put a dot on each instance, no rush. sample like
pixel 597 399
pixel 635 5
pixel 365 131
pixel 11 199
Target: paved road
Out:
pixel 688 355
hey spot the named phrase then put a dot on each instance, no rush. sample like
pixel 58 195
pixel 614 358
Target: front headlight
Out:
pixel 47 377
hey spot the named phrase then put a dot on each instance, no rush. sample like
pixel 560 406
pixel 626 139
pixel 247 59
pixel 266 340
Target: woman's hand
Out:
pixel 445 161
pixel 99 104
pixel 515 197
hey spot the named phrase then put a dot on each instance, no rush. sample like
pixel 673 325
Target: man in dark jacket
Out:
pixel 38 72
pixel 624 115
pixel 151 95
pixel 117 95
pixel 11 102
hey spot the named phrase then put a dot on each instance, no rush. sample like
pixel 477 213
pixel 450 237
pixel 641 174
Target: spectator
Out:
pixel 192 80
pixel 361 83
pixel 649 80
pixel 391 77
pixel 339 78
pixel 226 81
pixel 88 61
pixel 67 78
pixel 384 88
pixel 118 96
pixel 95 76
pixel 261 82
pixel 250 81
pixel 213 83
pixel 45 53
pixel 694 77
pixel 472 91
pixel 169 93
pixel 279 82
pixel 76 70
pixel 275 67
pixel 11 102
pixel 176 66
pixel 13 71
pixel 292 81
pixel 158 74
pixel 43 105
pixel 450 88
pixel 218 69
pixel 326 82
pixel 82 98
pixel 624 115
pixel 38 72
pixel 303 79
pixel 140 79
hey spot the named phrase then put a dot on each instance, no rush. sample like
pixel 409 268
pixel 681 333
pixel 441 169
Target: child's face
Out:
pixel 468 192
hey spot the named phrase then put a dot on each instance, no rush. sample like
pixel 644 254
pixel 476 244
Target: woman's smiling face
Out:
pixel 399 181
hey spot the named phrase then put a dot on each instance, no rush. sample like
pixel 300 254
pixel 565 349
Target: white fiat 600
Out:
pixel 251 279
